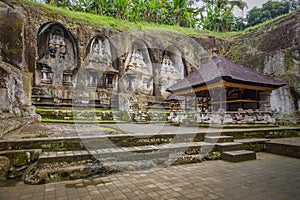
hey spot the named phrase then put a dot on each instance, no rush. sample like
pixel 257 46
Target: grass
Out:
pixel 124 25
pixel 80 121
pixel 96 128
pixel 119 24
pixel 75 110
pixel 265 23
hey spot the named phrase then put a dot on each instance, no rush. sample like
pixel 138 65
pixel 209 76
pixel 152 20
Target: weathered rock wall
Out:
pixel 83 32
pixel 15 81
pixel 21 23
pixel 274 49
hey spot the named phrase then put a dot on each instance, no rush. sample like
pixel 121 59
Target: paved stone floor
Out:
pixel 268 177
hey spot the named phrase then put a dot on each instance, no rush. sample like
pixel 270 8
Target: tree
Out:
pixel 269 10
pixel 217 15
pixel 294 4
pixel 179 7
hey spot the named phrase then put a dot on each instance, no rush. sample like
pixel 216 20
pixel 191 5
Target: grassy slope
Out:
pixel 118 24
pixel 268 22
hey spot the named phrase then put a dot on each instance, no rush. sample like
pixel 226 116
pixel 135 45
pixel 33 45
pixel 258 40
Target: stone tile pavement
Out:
pixel 268 177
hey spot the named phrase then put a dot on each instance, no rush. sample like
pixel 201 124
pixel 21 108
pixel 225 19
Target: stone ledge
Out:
pixel 238 156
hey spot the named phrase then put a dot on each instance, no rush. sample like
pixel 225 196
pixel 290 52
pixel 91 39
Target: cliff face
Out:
pixel 15 82
pixel 274 49
pixel 27 29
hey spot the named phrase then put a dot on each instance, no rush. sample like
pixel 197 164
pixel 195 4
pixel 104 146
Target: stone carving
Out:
pixel 140 78
pixel 137 81
pixel 98 65
pixel 240 117
pixel 172 69
pixel 99 52
pixel 57 56
pixel 168 74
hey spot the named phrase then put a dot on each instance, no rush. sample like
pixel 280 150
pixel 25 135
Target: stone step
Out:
pixel 128 153
pixel 238 156
pixel 254 144
pixel 284 146
pixel 229 146
pixel 21 157
pixel 218 139
pixel 74 143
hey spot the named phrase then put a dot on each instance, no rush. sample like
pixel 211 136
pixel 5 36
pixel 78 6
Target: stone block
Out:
pixel 238 156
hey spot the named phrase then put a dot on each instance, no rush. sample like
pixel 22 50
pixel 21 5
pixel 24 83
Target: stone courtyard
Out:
pixel 268 177
pixel 97 112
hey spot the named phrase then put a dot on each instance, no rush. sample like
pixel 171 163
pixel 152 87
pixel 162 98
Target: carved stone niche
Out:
pixel 98 65
pixel 138 75
pixel 172 69
pixel 93 77
pixel 57 56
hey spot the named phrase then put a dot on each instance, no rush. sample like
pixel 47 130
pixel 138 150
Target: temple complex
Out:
pixel 140 82
pixel 67 64
pixel 224 91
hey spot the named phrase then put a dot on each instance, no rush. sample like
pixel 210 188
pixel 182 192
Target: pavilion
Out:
pixel 223 85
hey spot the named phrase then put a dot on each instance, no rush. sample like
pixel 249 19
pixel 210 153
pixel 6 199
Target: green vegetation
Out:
pixel 80 121
pixel 75 110
pixel 257 147
pixel 218 15
pixel 230 24
pixel 269 10
pixel 264 23
pixel 96 128
pixel 137 15
pixel 123 25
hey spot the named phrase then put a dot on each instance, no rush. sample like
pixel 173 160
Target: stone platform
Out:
pixel 143 145
pixel 284 146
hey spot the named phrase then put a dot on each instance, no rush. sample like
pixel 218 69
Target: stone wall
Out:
pixel 21 47
pixel 15 81
pixel 274 49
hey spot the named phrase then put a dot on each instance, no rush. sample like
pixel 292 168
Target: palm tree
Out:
pixel 219 14
pixel 180 7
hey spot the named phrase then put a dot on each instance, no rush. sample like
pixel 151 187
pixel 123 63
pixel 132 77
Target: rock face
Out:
pixel 4 167
pixel 15 91
pixel 94 65
pixel 274 49
pixel 90 65
pixel 15 82
pixel 11 34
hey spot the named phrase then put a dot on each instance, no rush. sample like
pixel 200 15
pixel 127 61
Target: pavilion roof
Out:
pixel 221 68
pixel 173 97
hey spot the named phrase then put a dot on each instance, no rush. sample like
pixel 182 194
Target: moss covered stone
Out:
pixel 4 167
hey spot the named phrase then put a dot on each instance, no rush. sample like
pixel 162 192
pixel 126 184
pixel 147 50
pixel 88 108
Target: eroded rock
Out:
pixel 4 167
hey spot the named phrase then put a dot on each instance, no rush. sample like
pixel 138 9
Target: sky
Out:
pixel 253 3
pixel 250 3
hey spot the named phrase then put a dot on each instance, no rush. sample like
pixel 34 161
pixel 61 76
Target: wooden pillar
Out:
pixel 221 98
pixel 257 99
pixel 241 94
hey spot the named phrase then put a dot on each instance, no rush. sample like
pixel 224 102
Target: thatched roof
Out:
pixel 222 68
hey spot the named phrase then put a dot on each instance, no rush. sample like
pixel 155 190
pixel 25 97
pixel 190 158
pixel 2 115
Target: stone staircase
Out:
pixel 45 159
pixel 231 151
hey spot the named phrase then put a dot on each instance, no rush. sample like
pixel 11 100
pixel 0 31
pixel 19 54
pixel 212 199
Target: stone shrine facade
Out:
pixel 133 80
